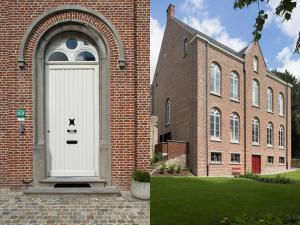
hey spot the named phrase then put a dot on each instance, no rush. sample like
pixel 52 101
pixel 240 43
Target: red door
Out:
pixel 256 164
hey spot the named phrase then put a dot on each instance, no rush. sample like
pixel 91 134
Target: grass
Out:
pixel 204 201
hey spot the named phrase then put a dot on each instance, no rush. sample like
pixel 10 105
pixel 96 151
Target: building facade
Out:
pixel 233 112
pixel 74 91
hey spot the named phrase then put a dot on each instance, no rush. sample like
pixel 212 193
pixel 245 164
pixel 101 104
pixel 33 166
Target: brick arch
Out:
pixel 66 14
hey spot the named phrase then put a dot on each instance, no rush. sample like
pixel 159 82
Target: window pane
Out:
pixel 58 56
pixel 85 56
pixel 71 43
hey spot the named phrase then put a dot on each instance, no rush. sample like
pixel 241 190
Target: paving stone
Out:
pixel 19 209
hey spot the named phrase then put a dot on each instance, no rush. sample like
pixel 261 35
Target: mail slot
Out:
pixel 72 142
pixel 72 131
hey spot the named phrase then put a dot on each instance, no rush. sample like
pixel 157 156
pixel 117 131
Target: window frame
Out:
pixel 255 122
pixel 270 102
pixel 216 114
pixel 215 75
pixel 168 112
pixel 255 64
pixel 213 157
pixel 272 161
pixel 255 93
pixel 235 162
pixel 234 86
pixel 281 135
pixel 235 128
pixel 270 135
pixel 280 104
pixel 281 163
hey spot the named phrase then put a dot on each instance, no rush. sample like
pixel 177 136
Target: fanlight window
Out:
pixel 85 56
pixel 58 56
pixel 71 48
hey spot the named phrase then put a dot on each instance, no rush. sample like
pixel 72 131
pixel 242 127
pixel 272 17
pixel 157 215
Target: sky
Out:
pixel 219 20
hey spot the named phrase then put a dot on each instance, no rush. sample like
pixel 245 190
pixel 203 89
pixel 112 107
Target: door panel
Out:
pixel 72 120
pixel 256 164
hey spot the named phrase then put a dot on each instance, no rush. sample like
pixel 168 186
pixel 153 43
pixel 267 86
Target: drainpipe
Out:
pixel 287 126
pixel 245 118
pixel 206 109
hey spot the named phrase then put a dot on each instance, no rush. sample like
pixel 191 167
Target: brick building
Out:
pixel 233 112
pixel 79 71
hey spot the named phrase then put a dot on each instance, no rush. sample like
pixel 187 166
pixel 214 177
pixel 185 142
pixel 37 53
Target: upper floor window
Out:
pixel 255 93
pixel 255 64
pixel 255 131
pixel 215 123
pixel 185 47
pixel 215 79
pixel 280 104
pixel 281 137
pixel 269 100
pixel 234 86
pixel 168 112
pixel 270 134
pixel 235 127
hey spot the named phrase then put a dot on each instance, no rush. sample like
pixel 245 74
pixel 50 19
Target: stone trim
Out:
pixel 64 8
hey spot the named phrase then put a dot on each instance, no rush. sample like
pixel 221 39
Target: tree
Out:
pixel 284 10
pixel 295 99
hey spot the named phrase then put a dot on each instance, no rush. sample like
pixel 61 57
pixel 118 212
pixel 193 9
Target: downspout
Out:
pixel 245 118
pixel 287 126
pixel 206 109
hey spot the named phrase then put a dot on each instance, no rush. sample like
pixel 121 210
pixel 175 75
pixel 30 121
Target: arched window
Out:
pixel 71 48
pixel 215 79
pixel 281 137
pixel 280 104
pixel 255 93
pixel 234 86
pixel 270 135
pixel 269 100
pixel 235 127
pixel 185 47
pixel 168 112
pixel 255 131
pixel 215 123
pixel 255 64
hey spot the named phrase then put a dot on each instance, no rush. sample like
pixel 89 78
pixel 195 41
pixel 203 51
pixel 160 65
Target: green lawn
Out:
pixel 191 201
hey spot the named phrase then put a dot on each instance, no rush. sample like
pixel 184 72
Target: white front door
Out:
pixel 72 120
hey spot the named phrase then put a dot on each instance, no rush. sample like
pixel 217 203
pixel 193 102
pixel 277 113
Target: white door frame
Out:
pixel 78 65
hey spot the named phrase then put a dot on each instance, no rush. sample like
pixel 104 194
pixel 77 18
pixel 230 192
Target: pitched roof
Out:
pixel 217 43
pixel 239 54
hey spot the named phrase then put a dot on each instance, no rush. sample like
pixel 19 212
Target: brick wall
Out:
pixel 129 88
pixel 176 77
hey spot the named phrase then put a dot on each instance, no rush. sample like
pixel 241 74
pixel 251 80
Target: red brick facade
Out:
pixel 183 76
pixel 129 88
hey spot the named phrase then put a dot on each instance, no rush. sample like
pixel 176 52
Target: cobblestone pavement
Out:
pixel 19 209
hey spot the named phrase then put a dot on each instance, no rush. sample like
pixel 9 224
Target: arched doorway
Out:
pixel 72 107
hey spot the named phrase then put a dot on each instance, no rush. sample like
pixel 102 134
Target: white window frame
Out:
pixel 281 136
pixel 280 104
pixel 234 86
pixel 235 128
pixel 272 161
pixel 168 112
pixel 215 79
pixel 255 131
pixel 269 100
pixel 216 157
pixel 270 135
pixel 215 124
pixel 255 64
pixel 238 159
pixel 255 93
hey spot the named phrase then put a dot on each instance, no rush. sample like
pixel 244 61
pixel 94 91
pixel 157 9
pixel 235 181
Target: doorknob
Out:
pixel 48 131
